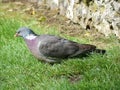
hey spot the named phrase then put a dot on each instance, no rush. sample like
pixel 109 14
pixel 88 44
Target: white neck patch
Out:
pixel 30 37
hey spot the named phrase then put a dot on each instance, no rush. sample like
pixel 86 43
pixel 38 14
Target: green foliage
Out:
pixel 19 70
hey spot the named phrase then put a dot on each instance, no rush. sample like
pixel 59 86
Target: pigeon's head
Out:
pixel 24 32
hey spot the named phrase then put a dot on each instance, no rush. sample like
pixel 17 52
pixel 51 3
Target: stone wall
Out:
pixel 103 15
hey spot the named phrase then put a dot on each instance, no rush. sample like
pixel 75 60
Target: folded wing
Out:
pixel 52 46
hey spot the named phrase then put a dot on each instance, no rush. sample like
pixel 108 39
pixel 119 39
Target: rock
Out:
pixel 53 4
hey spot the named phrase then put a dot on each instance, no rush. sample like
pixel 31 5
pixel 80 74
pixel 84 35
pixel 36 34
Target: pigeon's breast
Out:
pixel 33 46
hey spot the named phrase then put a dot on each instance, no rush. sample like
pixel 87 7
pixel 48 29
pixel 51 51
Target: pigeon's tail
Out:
pixel 101 51
pixel 87 48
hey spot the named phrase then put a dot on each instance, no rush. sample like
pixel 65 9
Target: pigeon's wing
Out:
pixel 52 46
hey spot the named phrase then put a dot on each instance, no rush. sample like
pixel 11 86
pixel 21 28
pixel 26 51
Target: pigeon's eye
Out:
pixel 18 32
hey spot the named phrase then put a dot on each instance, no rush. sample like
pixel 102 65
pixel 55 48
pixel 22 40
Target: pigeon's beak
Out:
pixel 16 35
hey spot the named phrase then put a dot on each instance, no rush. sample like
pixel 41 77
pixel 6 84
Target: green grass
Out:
pixel 19 70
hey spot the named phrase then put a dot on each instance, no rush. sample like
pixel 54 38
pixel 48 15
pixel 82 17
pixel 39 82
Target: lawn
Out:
pixel 19 70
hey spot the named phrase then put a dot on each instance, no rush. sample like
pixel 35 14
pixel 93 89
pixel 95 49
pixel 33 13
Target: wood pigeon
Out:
pixel 52 49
